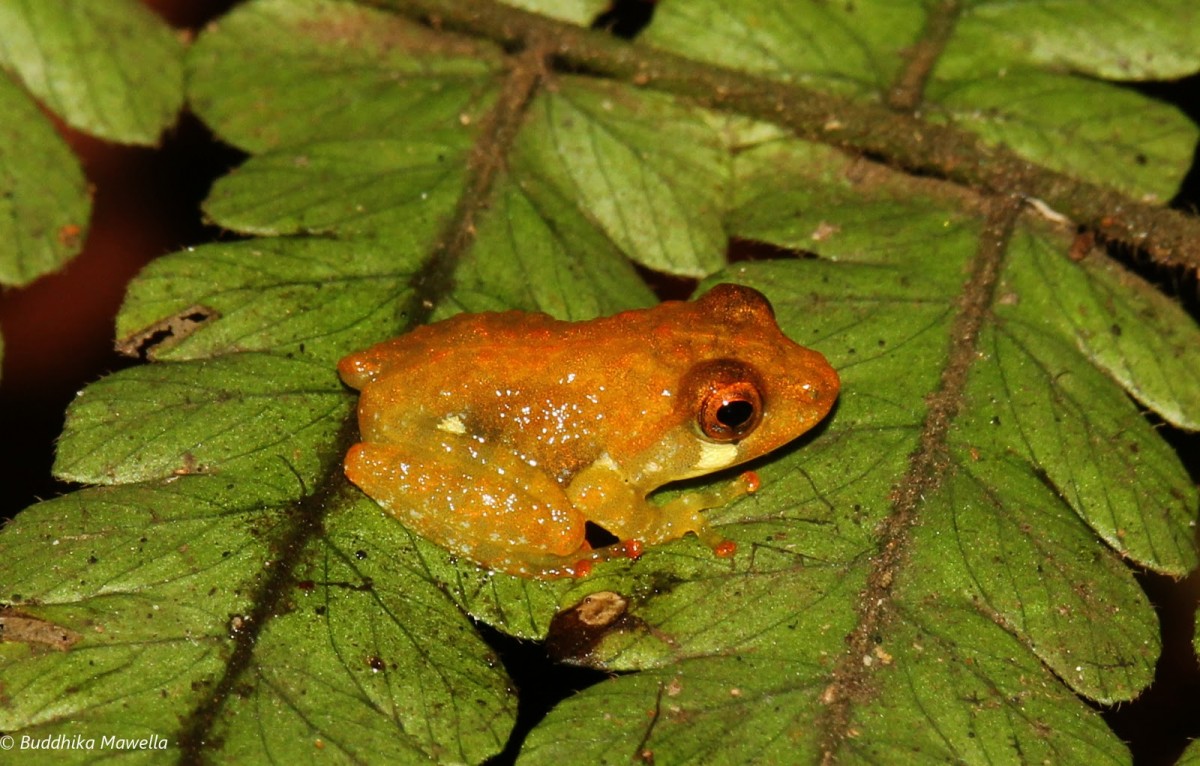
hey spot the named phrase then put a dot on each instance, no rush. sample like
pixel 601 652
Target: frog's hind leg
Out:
pixel 476 500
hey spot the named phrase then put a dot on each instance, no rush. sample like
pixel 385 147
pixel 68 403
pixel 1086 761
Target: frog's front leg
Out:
pixel 605 496
pixel 478 500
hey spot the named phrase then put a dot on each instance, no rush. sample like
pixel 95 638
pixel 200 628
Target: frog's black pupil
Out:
pixel 735 414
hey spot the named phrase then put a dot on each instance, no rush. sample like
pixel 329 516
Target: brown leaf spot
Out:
pixel 166 333
pixel 21 628
pixel 576 631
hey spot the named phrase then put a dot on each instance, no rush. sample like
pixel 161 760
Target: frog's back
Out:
pixel 459 339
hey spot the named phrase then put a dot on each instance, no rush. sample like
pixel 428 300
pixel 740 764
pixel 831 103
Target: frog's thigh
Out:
pixel 476 500
pixel 603 496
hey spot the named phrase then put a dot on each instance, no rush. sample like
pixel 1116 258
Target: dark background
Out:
pixel 58 336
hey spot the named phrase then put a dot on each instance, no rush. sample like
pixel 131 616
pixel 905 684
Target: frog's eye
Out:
pixel 730 411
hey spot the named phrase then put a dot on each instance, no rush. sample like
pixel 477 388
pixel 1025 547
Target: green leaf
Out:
pixel 581 12
pixel 1004 71
pixel 376 654
pixel 998 713
pixel 44 201
pixel 167 420
pixel 941 571
pixel 108 67
pixel 660 207
pixel 1072 124
pixel 803 197
pixel 161 583
pixel 847 48
pixel 150 578
pixel 389 189
pixel 757 708
pixel 1121 323
pixel 280 73
pixel 1019 558
pixel 1090 444
pixel 1104 38
pixel 295 296
pixel 1191 756
pixel 536 251
pixel 319 297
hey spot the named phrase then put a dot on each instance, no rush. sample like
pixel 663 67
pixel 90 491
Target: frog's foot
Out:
pixel 682 515
pixel 578 569
pixel 581 563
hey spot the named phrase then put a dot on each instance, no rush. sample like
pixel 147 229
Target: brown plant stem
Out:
pixel 908 90
pixel 487 161
pixel 851 683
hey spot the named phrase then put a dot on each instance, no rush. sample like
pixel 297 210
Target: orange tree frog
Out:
pixel 499 435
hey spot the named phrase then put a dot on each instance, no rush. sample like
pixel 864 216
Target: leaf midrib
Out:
pixel 852 678
pixel 428 287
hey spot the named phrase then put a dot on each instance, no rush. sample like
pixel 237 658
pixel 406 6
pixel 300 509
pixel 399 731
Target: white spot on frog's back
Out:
pixel 452 424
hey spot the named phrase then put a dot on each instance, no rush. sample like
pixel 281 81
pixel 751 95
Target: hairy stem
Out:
pixel 487 160
pixel 908 90
pixel 899 139
pixel 851 682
